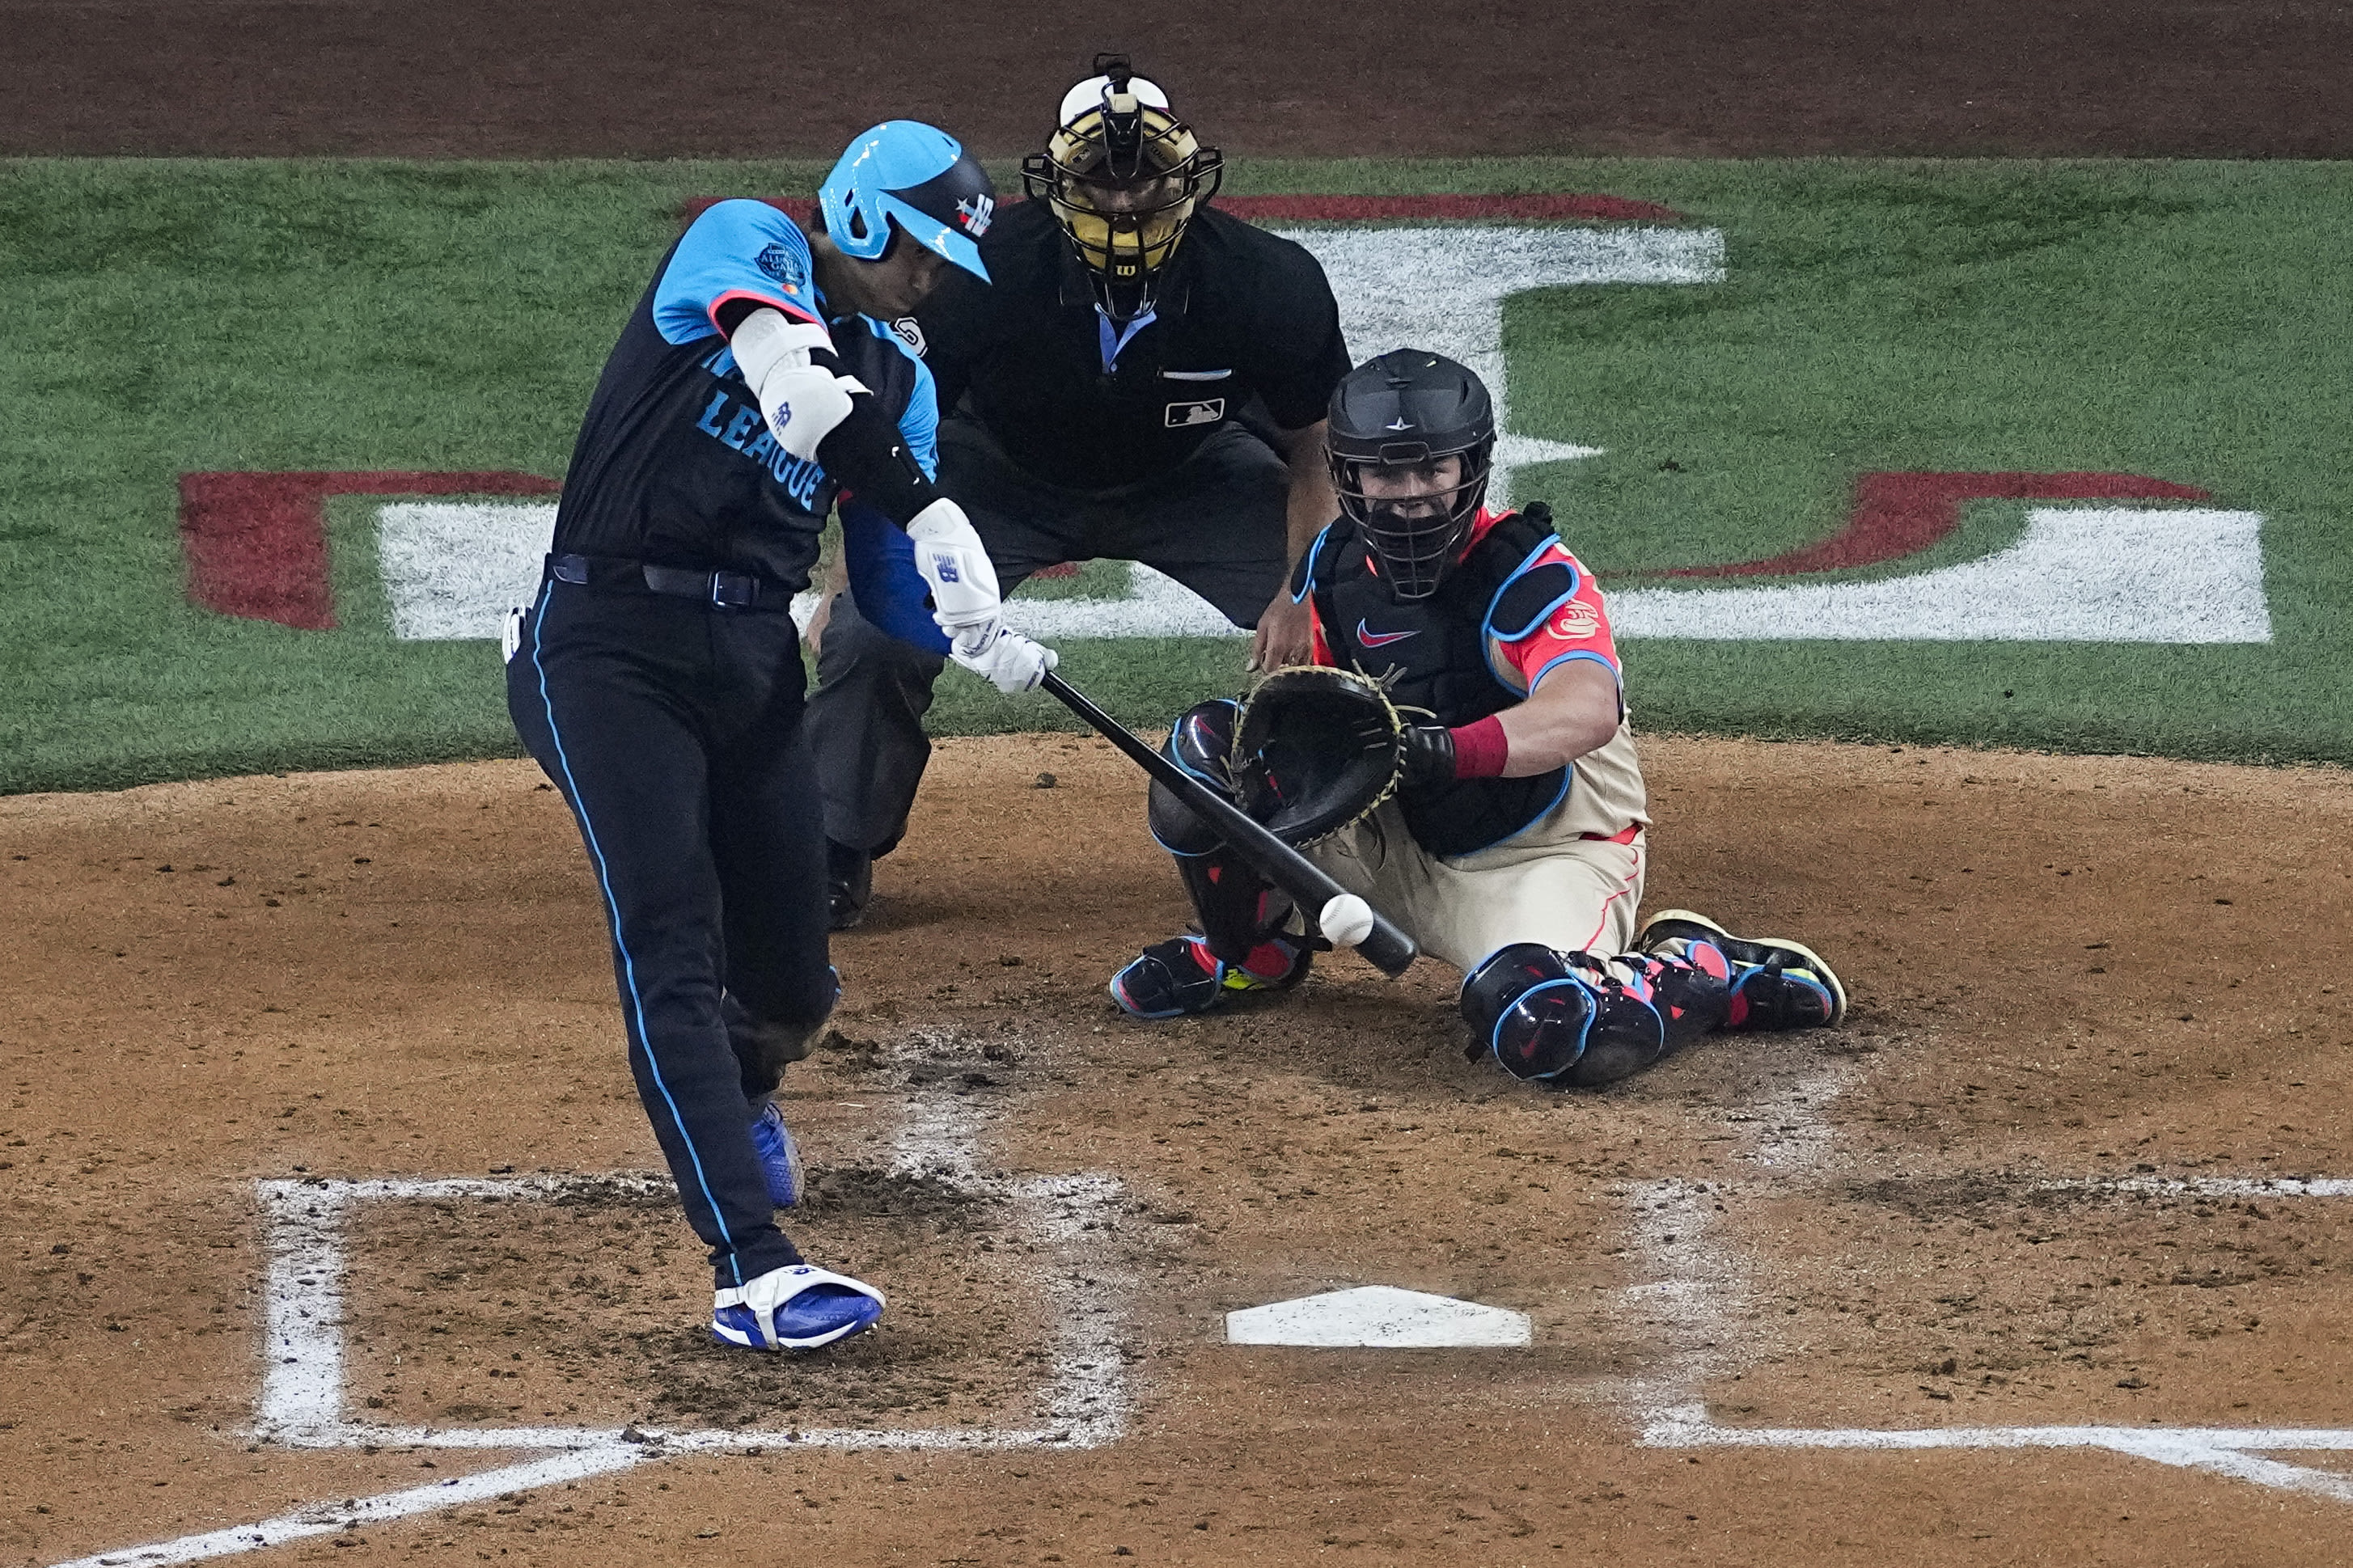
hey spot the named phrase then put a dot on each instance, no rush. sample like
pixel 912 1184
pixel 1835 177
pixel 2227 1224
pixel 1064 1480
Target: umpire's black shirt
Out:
pixel 1242 318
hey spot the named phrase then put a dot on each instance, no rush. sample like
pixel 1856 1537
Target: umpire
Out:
pixel 1143 378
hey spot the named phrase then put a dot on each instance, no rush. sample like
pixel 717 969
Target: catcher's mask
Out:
pixel 1394 421
pixel 1124 177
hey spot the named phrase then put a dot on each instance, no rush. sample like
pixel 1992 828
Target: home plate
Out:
pixel 1377 1316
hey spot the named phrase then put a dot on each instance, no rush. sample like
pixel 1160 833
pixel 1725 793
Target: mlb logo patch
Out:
pixel 1207 412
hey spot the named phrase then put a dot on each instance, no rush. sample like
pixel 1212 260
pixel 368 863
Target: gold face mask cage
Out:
pixel 1124 182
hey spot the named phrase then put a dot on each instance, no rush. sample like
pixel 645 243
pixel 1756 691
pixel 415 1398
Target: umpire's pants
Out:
pixel 674 729
pixel 1216 523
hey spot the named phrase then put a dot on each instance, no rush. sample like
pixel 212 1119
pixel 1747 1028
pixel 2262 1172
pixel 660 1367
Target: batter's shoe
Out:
pixel 849 885
pixel 1170 979
pixel 1774 983
pixel 780 1157
pixel 802 1308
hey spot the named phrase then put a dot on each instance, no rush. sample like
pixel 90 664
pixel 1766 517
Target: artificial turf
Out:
pixel 2183 320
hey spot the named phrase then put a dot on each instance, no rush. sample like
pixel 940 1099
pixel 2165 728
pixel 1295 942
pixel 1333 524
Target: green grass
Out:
pixel 2183 321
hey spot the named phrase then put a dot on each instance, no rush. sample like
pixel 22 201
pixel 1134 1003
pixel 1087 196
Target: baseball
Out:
pixel 1347 920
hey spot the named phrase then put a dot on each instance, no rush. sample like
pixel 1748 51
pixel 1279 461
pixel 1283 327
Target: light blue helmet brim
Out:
pixel 935 236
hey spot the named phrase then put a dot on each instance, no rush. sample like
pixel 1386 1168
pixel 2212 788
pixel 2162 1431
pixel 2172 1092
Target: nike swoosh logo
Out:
pixel 1371 639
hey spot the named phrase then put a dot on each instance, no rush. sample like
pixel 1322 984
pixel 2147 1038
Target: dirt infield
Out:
pixel 2091 995
pixel 1736 77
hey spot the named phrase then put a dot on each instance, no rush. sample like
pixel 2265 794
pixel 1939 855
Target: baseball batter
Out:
pixel 657 677
pixel 1515 847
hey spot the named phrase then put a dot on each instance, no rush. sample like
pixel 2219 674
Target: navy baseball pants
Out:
pixel 673 727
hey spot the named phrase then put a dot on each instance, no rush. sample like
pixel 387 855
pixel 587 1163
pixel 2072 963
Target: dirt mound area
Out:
pixel 1721 78
pixel 2041 1176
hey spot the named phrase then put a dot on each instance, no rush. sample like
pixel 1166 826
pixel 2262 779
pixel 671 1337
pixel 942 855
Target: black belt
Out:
pixel 727 590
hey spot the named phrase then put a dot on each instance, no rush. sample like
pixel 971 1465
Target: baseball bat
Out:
pixel 1389 950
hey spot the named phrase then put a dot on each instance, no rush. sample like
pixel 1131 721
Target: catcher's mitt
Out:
pixel 1316 750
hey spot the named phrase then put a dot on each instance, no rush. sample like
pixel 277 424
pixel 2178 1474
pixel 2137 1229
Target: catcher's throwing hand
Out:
pixel 1011 662
pixel 1284 637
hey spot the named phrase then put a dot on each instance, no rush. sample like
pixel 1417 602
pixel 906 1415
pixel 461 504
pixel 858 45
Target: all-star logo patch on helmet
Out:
pixel 916 180
pixel 1124 177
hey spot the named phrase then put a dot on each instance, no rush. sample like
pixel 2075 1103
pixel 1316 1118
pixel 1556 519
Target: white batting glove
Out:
pixel 1012 663
pixel 955 567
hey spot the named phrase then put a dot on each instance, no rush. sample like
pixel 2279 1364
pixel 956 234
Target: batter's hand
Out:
pixel 1282 633
pixel 1012 663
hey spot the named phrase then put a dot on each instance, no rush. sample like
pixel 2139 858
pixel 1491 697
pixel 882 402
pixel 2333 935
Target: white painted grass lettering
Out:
pixel 2117 574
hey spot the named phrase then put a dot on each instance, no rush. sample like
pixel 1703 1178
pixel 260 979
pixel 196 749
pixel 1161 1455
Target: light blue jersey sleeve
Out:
pixel 737 250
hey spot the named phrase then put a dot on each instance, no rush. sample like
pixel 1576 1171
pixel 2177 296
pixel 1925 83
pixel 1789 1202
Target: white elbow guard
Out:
pixel 801 400
pixel 956 566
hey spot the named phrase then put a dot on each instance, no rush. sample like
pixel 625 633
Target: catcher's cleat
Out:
pixel 1774 983
pixel 849 885
pixel 1561 1018
pixel 1170 979
pixel 780 1157
pixel 800 1308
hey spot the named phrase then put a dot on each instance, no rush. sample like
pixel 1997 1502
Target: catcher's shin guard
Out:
pixel 1691 990
pixel 1772 984
pixel 1561 1018
pixel 1239 908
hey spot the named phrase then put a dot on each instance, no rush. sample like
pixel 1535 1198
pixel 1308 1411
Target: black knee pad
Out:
pixel 1200 742
pixel 1559 1018
pixel 763 1047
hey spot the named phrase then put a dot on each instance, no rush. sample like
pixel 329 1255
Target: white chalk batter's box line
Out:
pixel 302 1405
pixel 2232 1451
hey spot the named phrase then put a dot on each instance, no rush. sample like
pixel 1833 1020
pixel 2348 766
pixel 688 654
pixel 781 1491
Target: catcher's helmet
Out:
pixel 1402 413
pixel 916 178
pixel 1124 177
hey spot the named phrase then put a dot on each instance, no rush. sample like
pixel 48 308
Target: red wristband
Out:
pixel 1479 750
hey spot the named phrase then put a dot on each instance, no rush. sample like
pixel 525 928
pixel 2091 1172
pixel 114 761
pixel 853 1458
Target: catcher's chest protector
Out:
pixel 1433 652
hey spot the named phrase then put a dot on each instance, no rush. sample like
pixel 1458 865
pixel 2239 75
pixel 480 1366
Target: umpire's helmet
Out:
pixel 1124 177
pixel 1395 419
pixel 916 178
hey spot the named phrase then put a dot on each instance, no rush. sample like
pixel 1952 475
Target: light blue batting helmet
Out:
pixel 917 176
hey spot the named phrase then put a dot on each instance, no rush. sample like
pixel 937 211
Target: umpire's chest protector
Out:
pixel 1432 654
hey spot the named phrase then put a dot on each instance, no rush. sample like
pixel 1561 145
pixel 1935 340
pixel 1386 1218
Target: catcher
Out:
pixel 1458 756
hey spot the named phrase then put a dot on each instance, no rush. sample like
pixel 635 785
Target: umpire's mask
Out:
pixel 1124 177
pixel 1411 438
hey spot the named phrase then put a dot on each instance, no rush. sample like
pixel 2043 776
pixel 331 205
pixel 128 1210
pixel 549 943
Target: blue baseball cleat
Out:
pixel 780 1157
pixel 802 1308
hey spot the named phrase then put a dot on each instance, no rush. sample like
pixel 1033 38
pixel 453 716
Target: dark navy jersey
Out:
pixel 1244 322
pixel 674 463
